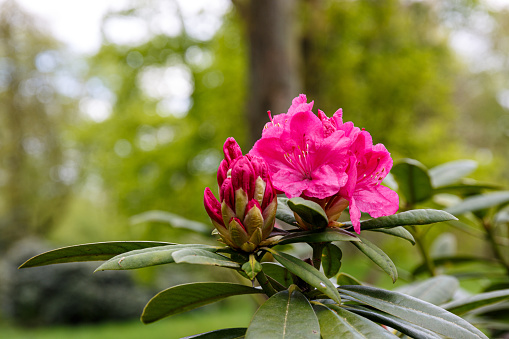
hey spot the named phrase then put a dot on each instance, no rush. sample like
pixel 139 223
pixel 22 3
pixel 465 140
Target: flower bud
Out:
pixel 245 214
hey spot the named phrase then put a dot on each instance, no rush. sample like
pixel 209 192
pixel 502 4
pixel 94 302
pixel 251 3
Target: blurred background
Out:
pixel 109 109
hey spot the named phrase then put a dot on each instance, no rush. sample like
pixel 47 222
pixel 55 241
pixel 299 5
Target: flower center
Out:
pixel 299 160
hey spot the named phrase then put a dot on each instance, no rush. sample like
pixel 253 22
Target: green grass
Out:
pixel 202 320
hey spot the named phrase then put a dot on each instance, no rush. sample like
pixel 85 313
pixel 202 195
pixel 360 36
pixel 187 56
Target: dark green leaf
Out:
pixel 252 267
pixel 307 273
pixel 397 231
pixel 202 257
pixel 452 261
pixel 339 323
pixel 89 252
pixel 278 273
pixel 226 333
pixel 148 257
pixel 284 212
pixel 331 260
pixel 173 220
pixel 413 180
pixel 465 305
pixel 467 187
pixel 378 257
pixel 183 298
pixel 347 279
pixel 479 202
pixel 414 310
pixel 451 172
pixel 287 314
pixel 436 290
pixel 327 235
pixel 310 212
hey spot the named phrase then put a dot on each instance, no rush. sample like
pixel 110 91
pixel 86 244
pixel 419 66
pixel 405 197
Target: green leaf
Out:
pixel 326 235
pixel 183 298
pixel 414 310
pixel 284 212
pixel 252 267
pixel 347 279
pixel 225 333
pixel 396 323
pixel 310 212
pixel 339 323
pixel 307 273
pixel 397 231
pixel 278 273
pixel 479 202
pixel 436 290
pixel 148 257
pixel 452 261
pixel 173 220
pixel 378 257
pixel 408 218
pixel 451 172
pixel 287 314
pixel 331 260
pixel 465 305
pixel 413 180
pixel 202 257
pixel 89 252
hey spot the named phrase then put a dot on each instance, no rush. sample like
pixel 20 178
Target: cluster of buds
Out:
pixel 245 214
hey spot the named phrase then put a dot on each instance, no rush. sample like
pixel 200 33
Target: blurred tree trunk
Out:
pixel 273 58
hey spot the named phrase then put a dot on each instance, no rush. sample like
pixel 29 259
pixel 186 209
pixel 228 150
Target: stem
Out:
pixel 490 231
pixel 317 253
pixel 265 284
pixel 428 261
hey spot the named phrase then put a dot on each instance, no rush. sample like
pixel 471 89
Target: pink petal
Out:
pixel 355 215
pixel 327 180
pixel 290 182
pixel 212 206
pixel 269 149
pixel 377 200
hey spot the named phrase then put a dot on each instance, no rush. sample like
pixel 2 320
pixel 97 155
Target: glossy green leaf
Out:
pixel 436 290
pixel 284 212
pixel 347 279
pixel 414 310
pixel 479 202
pixel 327 235
pixel 252 267
pixel 413 180
pixel 340 323
pixel 451 172
pixel 225 333
pixel 148 257
pixel 331 260
pixel 307 273
pixel 397 231
pixel 465 305
pixel 407 218
pixel 287 314
pixel 396 323
pixel 278 272
pixel 183 298
pixel 309 211
pixel 202 257
pixel 89 252
pixel 455 260
pixel 379 257
pixel 173 220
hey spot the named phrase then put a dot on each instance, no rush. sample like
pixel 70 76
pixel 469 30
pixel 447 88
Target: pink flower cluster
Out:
pixel 330 162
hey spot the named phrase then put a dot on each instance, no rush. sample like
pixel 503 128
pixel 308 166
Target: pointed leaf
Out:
pixel 148 257
pixel 287 314
pixel 278 272
pixel 414 310
pixel 479 202
pixel 173 220
pixel 284 212
pixel 309 211
pixel 463 306
pixel 183 298
pixel 398 231
pixel 451 172
pixel 225 333
pixel 347 279
pixel 326 235
pixel 252 267
pixel 339 323
pixel 379 257
pixel 413 180
pixel 307 273
pixel 331 260
pixel 89 252
pixel 443 261
pixel 436 290
pixel 202 257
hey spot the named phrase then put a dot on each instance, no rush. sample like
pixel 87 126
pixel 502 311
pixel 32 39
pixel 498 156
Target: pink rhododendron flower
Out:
pixel 330 162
